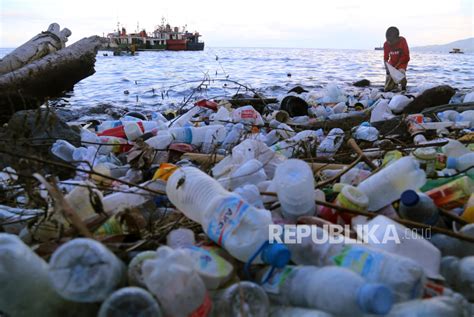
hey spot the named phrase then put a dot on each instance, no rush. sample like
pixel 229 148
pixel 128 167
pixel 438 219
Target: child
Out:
pixel 396 53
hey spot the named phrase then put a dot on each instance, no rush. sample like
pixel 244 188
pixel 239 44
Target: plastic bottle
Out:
pixel 251 172
pixel 354 176
pixel 404 276
pixel 184 118
pixel 381 112
pixel 225 217
pixel 106 125
pixel 63 149
pixel 135 273
pixel 454 148
pixel 441 306
pixel 89 138
pixel 197 136
pixel 332 289
pixel 462 163
pixel 295 188
pixel 251 194
pixel 387 185
pixel 241 299
pixel 453 194
pixel 212 268
pixel 331 143
pixel 459 273
pixel 287 311
pixel 418 207
pixel 448 115
pixel 468 116
pixel 233 136
pixel 300 141
pixel 25 289
pixel 455 247
pixel 130 301
pixel 405 242
pixel 161 141
pixel 187 294
pixel 84 270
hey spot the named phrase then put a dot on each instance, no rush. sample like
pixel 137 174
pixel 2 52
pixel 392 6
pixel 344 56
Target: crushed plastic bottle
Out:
pixel 459 274
pixel 331 143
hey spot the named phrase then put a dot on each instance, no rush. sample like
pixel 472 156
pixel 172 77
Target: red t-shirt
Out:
pixel 397 53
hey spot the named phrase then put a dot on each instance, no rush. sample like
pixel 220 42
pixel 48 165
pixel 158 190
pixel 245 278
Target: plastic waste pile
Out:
pixel 337 203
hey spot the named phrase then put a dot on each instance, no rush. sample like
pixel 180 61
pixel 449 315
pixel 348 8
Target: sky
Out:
pixel 342 24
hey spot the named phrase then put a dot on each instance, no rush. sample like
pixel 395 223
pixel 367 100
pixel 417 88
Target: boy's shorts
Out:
pixel 391 85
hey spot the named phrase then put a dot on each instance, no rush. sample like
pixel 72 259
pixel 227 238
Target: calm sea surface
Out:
pixel 155 80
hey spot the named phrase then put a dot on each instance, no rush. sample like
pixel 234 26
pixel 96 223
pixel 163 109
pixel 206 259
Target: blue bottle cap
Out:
pixel 409 198
pixel 451 162
pixel 276 255
pixel 375 299
pixel 365 124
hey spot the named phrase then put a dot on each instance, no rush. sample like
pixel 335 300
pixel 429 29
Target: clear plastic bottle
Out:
pixel 174 282
pixel 332 289
pixel 455 247
pixel 243 299
pixel 161 141
pixel 63 150
pixel 295 188
pixel 354 176
pixel 130 301
pixel 84 270
pixel 233 136
pixel 418 207
pixel 459 273
pixel 184 118
pixel 251 172
pixel 462 163
pixel 387 185
pixel 25 289
pixel 225 217
pixel 404 276
pixel 454 148
pixel 251 194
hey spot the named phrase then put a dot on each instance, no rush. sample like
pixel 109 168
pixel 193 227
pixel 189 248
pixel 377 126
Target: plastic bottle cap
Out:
pixel 451 162
pixel 410 198
pixel 375 299
pixel 276 254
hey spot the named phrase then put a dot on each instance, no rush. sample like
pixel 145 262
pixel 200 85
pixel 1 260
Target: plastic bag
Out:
pixel 396 75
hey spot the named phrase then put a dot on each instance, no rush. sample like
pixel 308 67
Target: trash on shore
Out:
pixel 326 203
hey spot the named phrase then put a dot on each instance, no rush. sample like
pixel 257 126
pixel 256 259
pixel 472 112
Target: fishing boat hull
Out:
pixel 176 45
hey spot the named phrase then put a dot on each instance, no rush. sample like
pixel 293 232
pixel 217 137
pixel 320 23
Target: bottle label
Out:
pixel 208 261
pixel 276 281
pixel 226 218
pixel 205 308
pixel 360 261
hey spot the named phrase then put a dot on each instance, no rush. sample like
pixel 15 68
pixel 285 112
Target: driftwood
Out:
pixel 29 86
pixel 39 46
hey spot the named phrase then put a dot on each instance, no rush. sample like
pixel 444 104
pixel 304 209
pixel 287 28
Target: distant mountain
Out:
pixel 466 45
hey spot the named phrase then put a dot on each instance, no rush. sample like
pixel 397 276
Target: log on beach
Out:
pixel 39 46
pixel 29 86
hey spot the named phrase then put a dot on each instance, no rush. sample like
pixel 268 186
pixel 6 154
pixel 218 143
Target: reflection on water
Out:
pixel 159 78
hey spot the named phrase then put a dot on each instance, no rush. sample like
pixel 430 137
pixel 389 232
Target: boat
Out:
pixel 164 37
pixel 456 51
pixel 379 48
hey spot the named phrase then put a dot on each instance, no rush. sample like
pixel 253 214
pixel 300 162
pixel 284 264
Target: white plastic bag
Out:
pixel 396 75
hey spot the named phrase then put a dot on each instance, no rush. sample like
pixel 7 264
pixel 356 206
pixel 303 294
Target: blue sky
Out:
pixel 354 24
